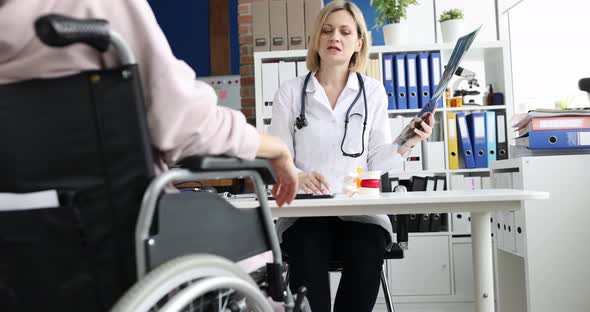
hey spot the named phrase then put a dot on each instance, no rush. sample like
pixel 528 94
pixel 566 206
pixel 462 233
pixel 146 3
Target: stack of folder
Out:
pixel 476 139
pixel 461 221
pixel 554 129
pixel 410 78
pixel 283 25
pixel 273 75
pixel 426 222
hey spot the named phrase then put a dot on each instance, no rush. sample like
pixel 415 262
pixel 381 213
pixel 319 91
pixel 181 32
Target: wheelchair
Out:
pixel 116 240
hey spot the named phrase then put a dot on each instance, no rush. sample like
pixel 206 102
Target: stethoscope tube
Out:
pixel 347 119
pixel 301 120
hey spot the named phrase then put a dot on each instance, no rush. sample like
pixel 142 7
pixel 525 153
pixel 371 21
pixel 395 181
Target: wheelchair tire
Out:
pixel 203 271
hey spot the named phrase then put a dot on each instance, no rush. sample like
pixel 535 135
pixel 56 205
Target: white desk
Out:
pixel 480 203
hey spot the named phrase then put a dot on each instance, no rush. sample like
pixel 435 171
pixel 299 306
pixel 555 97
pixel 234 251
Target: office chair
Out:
pixel 85 137
pixel 396 252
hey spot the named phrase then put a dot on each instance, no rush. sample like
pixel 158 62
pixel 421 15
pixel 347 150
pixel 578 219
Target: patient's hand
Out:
pixel 275 150
pixel 285 188
pixel 313 182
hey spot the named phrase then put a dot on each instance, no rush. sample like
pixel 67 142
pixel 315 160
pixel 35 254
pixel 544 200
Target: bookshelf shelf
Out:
pixel 475 108
pixel 403 111
pixel 469 170
pixel 449 109
pixel 286 55
pixel 423 234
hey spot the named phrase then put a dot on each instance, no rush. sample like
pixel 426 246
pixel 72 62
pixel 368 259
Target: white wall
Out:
pixel 476 12
pixel 550 51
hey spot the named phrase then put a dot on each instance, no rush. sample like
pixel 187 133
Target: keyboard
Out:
pixel 308 196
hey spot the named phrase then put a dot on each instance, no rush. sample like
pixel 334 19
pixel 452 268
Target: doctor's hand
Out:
pixel 313 182
pixel 423 132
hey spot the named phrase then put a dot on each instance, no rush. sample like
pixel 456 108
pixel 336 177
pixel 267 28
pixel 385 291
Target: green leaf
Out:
pixel 390 10
pixel 451 14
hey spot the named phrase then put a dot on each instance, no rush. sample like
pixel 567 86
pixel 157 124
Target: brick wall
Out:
pixel 246 59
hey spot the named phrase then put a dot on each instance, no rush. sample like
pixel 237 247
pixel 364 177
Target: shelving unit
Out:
pixel 490 57
pixel 548 241
pixel 451 264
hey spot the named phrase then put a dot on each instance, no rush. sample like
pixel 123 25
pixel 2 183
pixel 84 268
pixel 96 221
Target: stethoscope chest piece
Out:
pixel 301 122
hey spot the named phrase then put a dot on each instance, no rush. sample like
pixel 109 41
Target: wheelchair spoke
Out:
pixel 203 284
pixel 221 300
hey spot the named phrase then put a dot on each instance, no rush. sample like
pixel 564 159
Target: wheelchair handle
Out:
pixel 584 84
pixel 60 31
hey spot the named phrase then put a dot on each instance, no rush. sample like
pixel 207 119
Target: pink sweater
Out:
pixel 182 113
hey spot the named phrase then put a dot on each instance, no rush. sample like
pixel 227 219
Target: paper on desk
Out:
pixel 459 50
pixel 27 201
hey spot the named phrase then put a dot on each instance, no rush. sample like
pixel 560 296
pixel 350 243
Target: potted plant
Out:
pixel 451 24
pixel 389 16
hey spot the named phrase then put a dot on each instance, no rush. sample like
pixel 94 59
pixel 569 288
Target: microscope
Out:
pixel 467 87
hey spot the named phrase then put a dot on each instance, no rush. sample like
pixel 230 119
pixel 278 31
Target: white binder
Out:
pixel 287 71
pixel 270 85
pixel 302 68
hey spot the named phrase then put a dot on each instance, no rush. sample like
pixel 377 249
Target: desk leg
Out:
pixel 481 238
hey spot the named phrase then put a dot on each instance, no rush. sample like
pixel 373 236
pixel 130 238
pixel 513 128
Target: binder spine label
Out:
pixel 401 80
pixel 436 69
pixel 560 123
pixel 501 130
pixel 424 74
pixel 479 127
pixel 412 71
pixel 583 138
pixel 388 70
pixel 452 128
pixel 463 125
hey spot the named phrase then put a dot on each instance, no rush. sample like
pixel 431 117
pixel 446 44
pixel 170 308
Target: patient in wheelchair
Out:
pixel 182 120
pixel 183 117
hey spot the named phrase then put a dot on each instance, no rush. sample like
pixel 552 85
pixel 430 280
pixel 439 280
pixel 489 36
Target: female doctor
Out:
pixel 321 117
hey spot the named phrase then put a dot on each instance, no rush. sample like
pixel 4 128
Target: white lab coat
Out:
pixel 317 147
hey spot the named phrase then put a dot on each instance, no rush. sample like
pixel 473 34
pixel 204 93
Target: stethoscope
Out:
pixel 301 121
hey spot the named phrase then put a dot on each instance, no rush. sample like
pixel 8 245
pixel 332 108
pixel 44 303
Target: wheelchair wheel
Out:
pixel 200 283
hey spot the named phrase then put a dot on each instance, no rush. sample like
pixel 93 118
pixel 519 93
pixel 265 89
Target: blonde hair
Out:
pixel 358 60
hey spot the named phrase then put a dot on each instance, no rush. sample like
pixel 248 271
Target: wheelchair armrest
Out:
pixel 402 224
pixel 402 230
pixel 222 163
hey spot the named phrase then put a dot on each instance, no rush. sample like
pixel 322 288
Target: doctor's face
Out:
pixel 339 39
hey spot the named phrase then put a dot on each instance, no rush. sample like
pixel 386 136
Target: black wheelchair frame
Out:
pixel 82 255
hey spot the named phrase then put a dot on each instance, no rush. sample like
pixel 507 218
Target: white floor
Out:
pixel 428 307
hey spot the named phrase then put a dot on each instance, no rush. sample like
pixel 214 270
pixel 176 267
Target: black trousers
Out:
pixel 63 259
pixel 312 242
